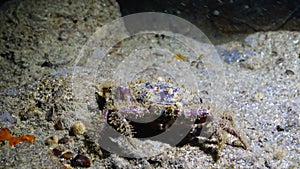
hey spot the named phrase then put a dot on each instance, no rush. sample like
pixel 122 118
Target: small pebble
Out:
pixel 67 155
pixel 216 12
pixel 259 96
pixel 279 128
pixel 63 140
pixel 56 152
pixel 279 153
pixel 51 140
pixel 81 161
pixel 59 125
pixel 289 72
pixel 78 128
pixel 279 61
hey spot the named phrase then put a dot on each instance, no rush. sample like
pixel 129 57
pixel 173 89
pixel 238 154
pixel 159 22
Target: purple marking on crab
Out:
pixel 105 114
pixel 165 97
pixel 124 93
pixel 132 109
pixel 200 114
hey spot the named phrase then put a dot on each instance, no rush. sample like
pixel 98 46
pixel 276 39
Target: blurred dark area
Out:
pixel 2 2
pixel 223 20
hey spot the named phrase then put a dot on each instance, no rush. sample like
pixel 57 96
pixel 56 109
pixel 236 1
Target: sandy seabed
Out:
pixel 262 86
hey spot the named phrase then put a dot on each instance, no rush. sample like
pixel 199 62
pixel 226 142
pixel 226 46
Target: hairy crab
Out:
pixel 144 109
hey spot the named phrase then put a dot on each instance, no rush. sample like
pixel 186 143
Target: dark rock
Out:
pixel 279 61
pixel 50 114
pixel 63 140
pixel 47 63
pixel 80 161
pixel 279 128
pixel 59 125
pixel 57 152
pixel 289 72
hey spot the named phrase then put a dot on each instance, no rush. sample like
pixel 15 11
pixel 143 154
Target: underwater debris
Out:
pixel 177 56
pixel 5 135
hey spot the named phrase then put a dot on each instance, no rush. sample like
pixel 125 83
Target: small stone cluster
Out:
pixel 66 156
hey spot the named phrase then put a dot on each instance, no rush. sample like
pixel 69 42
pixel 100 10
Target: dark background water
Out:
pixel 220 20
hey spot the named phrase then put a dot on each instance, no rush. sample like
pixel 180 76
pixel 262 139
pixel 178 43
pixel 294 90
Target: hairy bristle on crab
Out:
pixel 125 108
